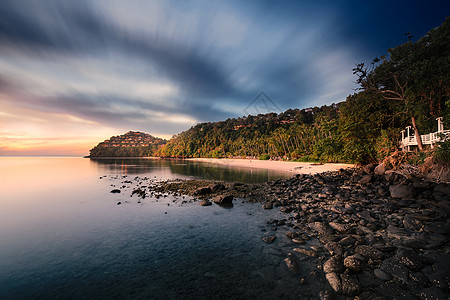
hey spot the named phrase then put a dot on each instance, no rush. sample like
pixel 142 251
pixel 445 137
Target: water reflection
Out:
pixel 170 168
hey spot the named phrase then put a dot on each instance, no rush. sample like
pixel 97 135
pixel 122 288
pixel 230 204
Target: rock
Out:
pixel 217 187
pixel 401 191
pixel 354 264
pixel 326 295
pixel 291 263
pixel 369 252
pixel 334 281
pixel 118 203
pixel 115 191
pixel 333 265
pixel 365 179
pixel 299 241
pixel 342 228
pixel 223 199
pixel 443 188
pixel 267 205
pixel 291 234
pixel 202 191
pixel 348 241
pixel 334 248
pixel 307 252
pixel 380 169
pixel 380 274
pixel 319 227
pixel 409 259
pixel 269 239
pixel 412 223
pixel 396 270
pixel 433 293
pixel 369 168
pixel 205 203
pixel 349 285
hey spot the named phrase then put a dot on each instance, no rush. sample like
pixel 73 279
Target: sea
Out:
pixel 63 236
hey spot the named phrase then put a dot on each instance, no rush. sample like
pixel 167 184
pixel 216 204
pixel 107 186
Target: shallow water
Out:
pixel 63 236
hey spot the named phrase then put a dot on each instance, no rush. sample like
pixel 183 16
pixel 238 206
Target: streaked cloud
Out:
pixel 84 70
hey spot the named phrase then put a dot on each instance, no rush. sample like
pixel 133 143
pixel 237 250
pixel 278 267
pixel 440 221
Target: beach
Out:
pixel 288 166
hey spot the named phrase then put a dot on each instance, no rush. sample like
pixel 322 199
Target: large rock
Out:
pixel 401 191
pixel 334 265
pixel 380 169
pixel 354 264
pixel 369 252
pixel 202 191
pixel 223 199
pixel 217 187
pixel 334 281
pixel 291 263
pixel 349 285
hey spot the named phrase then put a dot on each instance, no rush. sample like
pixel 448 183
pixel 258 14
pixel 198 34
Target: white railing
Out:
pixel 427 139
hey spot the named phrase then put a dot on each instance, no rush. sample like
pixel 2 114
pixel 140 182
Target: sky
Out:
pixel 74 73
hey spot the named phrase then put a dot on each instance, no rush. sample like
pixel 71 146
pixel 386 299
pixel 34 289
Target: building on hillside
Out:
pixel 409 140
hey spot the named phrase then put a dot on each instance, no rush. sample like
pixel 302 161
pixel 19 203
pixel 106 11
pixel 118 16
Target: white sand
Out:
pixel 294 167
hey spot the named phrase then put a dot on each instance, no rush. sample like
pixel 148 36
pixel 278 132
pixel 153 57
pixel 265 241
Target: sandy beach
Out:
pixel 294 167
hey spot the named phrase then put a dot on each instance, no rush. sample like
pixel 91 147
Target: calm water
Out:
pixel 62 236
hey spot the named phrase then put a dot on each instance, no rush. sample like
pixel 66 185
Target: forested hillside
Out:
pixel 409 86
pixel 130 144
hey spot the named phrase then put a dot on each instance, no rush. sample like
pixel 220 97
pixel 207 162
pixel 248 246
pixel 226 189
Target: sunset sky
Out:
pixel 74 73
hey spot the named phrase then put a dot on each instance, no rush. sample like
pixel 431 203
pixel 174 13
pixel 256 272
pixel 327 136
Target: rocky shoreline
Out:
pixel 373 233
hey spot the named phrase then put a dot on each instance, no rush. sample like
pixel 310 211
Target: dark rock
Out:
pixel 291 234
pixel 369 168
pixel 443 188
pixel 307 252
pixel 267 205
pixel 326 295
pixel 118 203
pixel 349 285
pixel 205 203
pixel 369 252
pixel 269 239
pixel 342 228
pixel 395 269
pixel 354 264
pixel 223 199
pixel 291 263
pixel 409 259
pixel 115 191
pixel 319 227
pixel 333 265
pixel 299 241
pixel 392 290
pixel 348 241
pixel 433 293
pixel 334 248
pixel 285 209
pixel 412 223
pixel 381 274
pixel 217 187
pixel 335 281
pixel 401 191
pixel 202 191
pixel 365 179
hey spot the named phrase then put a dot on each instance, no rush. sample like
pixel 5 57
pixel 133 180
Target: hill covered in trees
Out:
pixel 130 144
pixel 409 86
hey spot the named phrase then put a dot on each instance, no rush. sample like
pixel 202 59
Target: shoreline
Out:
pixel 286 166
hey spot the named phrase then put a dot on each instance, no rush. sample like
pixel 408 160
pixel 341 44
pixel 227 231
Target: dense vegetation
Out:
pixel 408 86
pixel 130 144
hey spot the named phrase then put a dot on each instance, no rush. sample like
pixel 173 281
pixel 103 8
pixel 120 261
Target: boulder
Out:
pixel 223 199
pixel 401 191
pixel 205 203
pixel 333 265
pixel 354 264
pixel 202 191
pixel 334 281
pixel 380 169
pixel 217 187
pixel 365 179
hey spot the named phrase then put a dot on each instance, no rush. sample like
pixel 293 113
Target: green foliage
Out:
pixel 264 157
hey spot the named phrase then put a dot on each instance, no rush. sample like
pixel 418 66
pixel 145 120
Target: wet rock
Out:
pixel 381 274
pixel 269 239
pixel 202 191
pixel 267 205
pixel 291 234
pixel 319 227
pixel 354 264
pixel 326 295
pixel 205 203
pixel 217 187
pixel 223 199
pixel 307 252
pixel 342 228
pixel 299 241
pixel 334 281
pixel 115 191
pixel 333 265
pixel 349 285
pixel 334 248
pixel 395 269
pixel 291 263
pixel 369 252
pixel 401 191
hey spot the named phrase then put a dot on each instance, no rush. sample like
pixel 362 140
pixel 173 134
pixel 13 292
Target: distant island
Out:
pixel 130 144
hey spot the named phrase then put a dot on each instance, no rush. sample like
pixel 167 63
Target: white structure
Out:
pixel 409 139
